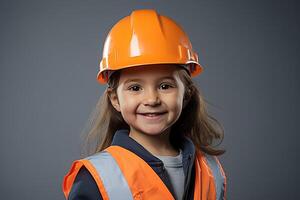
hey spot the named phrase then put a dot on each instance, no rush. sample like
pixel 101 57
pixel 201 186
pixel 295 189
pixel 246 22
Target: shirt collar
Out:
pixel 122 139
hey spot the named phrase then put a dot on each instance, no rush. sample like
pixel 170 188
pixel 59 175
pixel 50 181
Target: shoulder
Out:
pixel 214 164
pixel 84 187
pixel 81 180
pixel 216 171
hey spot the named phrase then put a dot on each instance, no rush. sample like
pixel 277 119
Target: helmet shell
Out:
pixel 146 38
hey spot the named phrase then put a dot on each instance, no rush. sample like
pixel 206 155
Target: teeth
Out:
pixel 151 115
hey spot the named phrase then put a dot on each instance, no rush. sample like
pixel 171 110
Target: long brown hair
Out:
pixel 194 121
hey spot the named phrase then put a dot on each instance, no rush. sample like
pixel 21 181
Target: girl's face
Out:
pixel 150 98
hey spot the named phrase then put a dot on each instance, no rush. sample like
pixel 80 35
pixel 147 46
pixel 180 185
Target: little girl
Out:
pixel 153 135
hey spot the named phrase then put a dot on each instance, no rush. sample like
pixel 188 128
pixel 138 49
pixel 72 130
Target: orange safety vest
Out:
pixel 121 174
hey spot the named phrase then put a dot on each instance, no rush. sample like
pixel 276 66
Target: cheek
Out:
pixel 127 103
pixel 175 102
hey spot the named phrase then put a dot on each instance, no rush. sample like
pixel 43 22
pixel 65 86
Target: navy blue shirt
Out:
pixel 85 187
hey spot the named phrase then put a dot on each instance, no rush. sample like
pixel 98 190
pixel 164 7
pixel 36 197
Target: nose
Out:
pixel 151 98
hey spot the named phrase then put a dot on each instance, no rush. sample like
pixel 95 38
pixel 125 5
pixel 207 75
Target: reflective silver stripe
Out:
pixel 219 179
pixel 113 180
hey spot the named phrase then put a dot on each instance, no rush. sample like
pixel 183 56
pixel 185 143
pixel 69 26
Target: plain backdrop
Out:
pixel 49 56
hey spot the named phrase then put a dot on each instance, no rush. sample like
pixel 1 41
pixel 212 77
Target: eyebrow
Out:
pixel 141 80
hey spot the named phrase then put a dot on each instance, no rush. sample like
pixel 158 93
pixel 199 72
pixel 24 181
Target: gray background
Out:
pixel 50 52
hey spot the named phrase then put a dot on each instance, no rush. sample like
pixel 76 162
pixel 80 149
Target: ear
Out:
pixel 113 97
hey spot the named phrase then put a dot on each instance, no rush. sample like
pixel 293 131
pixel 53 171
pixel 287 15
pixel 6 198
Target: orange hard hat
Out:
pixel 145 38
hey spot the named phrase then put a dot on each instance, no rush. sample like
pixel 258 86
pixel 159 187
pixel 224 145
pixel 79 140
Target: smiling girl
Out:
pixel 153 135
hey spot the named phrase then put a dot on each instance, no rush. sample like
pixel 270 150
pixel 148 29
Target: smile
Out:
pixel 152 115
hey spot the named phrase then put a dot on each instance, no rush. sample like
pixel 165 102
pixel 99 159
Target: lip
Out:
pixel 152 115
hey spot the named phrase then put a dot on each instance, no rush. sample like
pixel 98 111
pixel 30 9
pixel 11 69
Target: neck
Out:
pixel 156 144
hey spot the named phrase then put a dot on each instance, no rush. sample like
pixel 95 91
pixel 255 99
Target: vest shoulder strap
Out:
pixel 210 176
pixel 106 173
pixel 120 174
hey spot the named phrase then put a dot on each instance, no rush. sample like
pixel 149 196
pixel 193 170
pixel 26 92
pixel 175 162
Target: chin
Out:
pixel 152 130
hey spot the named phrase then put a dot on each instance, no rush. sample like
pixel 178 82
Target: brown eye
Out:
pixel 165 86
pixel 134 88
